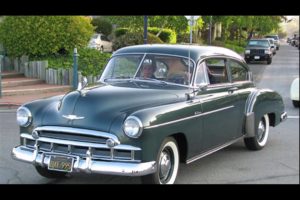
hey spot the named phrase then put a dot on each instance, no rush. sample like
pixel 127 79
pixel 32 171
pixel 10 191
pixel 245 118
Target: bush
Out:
pixel 121 31
pixel 44 35
pixel 102 25
pixel 90 61
pixel 167 35
pixel 134 38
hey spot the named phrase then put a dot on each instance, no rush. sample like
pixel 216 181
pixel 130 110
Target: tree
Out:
pixel 44 35
pixel 102 25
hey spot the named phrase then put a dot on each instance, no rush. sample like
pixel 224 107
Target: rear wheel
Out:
pixel 167 164
pixel 261 135
pixel 43 171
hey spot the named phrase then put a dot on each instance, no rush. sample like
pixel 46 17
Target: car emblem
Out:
pixel 72 117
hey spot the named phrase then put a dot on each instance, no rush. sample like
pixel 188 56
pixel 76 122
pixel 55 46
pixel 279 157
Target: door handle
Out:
pixel 231 90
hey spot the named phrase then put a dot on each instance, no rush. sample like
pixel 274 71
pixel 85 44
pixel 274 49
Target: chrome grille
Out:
pixel 74 143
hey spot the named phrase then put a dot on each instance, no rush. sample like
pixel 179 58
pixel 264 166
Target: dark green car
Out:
pixel 189 102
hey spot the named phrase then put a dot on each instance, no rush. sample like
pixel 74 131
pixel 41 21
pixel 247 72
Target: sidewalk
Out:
pixel 13 102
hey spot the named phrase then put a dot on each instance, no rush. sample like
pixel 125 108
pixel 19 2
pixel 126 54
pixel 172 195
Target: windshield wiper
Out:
pixel 150 79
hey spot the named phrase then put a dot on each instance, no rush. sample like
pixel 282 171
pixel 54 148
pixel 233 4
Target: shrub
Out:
pixel 90 61
pixel 102 25
pixel 167 35
pixel 121 31
pixel 44 35
pixel 134 38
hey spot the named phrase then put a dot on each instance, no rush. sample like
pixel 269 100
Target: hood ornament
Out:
pixel 72 117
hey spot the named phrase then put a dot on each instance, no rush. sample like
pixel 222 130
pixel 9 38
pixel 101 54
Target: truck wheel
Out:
pixel 43 171
pixel 269 61
pixel 167 164
pixel 261 135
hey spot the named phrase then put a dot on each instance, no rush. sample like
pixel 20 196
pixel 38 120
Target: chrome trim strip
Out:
pixel 82 144
pixel 88 165
pixel 212 151
pixel 76 131
pixel 186 118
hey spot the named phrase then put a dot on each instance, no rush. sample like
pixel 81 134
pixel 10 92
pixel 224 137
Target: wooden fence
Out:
pixel 40 70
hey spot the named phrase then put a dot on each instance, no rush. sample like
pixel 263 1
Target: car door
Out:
pixel 219 105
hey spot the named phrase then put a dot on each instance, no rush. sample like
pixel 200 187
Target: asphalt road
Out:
pixel 277 163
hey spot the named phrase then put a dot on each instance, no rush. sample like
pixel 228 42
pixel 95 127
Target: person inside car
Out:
pixel 148 70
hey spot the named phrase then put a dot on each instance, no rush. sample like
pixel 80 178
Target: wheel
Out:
pixel 277 48
pixel 296 103
pixel 247 61
pixel 50 174
pixel 269 61
pixel 167 164
pixel 261 135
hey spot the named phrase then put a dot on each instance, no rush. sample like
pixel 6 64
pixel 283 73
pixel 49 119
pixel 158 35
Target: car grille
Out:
pixel 77 144
pixel 257 51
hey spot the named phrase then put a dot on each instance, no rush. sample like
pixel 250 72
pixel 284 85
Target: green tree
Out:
pixel 44 35
pixel 102 25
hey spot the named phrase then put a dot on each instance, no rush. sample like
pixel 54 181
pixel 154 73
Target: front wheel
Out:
pixel 43 171
pixel 261 135
pixel 269 61
pixel 167 164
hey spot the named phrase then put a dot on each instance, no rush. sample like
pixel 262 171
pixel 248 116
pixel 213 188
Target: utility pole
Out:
pixel 210 24
pixel 145 29
pixel 75 69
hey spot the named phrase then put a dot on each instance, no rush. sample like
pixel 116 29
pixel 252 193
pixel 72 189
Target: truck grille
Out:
pixel 257 52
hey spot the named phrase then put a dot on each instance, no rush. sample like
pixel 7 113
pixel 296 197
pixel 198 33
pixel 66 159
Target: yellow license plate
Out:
pixel 61 163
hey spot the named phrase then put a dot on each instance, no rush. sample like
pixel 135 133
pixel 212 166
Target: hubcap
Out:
pixel 261 131
pixel 165 165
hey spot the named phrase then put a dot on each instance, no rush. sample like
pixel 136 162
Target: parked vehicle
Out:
pixel 273 45
pixel 294 92
pixel 258 50
pixel 276 38
pixel 199 100
pixel 101 43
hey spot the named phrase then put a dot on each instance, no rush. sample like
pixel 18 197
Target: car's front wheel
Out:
pixel 43 171
pixel 261 135
pixel 269 61
pixel 167 164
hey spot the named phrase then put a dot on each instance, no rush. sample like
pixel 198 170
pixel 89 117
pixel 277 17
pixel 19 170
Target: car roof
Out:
pixel 196 52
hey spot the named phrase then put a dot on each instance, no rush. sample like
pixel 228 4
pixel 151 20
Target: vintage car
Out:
pixel 200 99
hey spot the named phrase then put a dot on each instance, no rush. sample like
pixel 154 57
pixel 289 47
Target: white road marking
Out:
pixel 293 117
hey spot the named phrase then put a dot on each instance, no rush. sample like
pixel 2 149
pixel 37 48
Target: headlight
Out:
pixel 24 116
pixel 133 127
pixel 247 51
pixel 267 51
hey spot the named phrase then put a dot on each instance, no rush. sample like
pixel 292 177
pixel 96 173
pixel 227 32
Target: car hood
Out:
pixel 97 107
pixel 256 47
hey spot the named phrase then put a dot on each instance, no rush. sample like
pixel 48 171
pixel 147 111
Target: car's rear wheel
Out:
pixel 43 171
pixel 167 164
pixel 296 103
pixel 261 135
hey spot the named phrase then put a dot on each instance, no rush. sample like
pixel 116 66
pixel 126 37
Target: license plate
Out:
pixel 256 57
pixel 61 163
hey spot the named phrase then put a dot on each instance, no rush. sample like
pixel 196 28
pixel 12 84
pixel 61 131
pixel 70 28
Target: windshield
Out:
pixel 275 37
pixel 150 67
pixel 262 43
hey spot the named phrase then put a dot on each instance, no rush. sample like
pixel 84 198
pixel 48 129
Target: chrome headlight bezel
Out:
pixel 133 127
pixel 24 117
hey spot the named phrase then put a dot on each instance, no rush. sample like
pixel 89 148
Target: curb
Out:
pixel 9 106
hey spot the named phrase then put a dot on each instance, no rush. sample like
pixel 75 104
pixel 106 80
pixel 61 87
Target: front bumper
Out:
pixel 254 57
pixel 86 165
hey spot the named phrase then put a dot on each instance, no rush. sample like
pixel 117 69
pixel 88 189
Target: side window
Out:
pixel 238 72
pixel 201 75
pixel 216 70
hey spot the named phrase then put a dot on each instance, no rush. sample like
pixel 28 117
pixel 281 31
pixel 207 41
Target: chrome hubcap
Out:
pixel 164 165
pixel 261 131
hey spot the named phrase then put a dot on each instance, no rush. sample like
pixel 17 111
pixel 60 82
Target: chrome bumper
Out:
pixel 87 165
pixel 283 117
